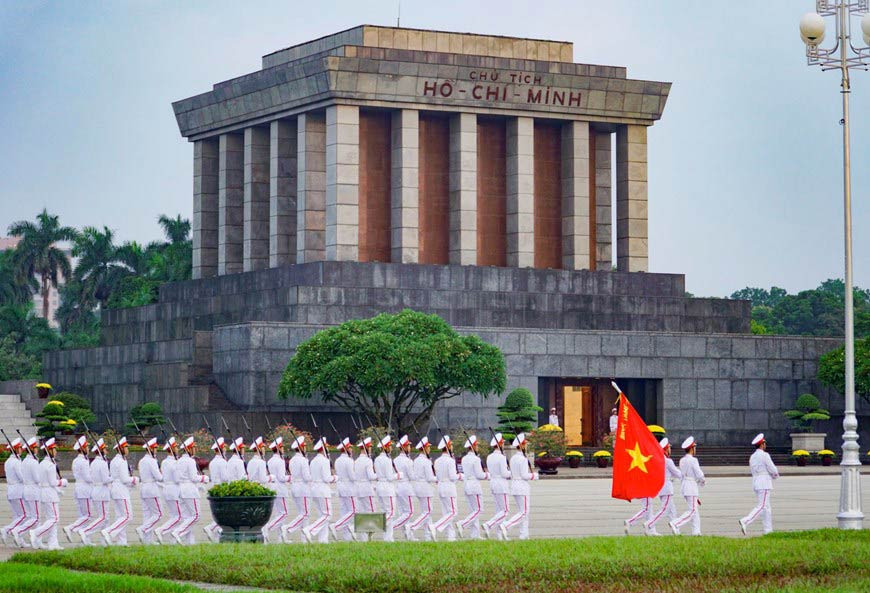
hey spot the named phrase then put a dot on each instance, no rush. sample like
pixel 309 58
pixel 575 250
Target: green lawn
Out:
pixel 805 562
pixel 29 578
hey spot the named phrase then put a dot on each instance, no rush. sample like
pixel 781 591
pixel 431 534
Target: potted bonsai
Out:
pixel 548 442
pixel 601 457
pixel 241 508
pixel 575 458
pixel 826 456
pixel 42 390
pixel 801 456
pixel 806 412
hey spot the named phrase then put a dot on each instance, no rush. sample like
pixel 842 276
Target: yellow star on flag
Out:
pixel 638 459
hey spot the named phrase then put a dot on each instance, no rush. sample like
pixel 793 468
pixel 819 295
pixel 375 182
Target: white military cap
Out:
pixel 520 439
pixel 16 442
pixel 759 438
pixel 220 443
pixel 445 440
pixel 297 442
pixel 404 440
pixel 387 440
pixel 496 440
pixel 276 443
pixel 423 442
pixel 472 439
pixel 100 444
pixel 258 441
pixel 366 441
pixel 188 442
pixel 32 442
pixel 49 443
pixel 121 441
pixel 321 445
pixel 238 443
pixel 345 443
pixel 664 443
pixel 169 443
pixel 81 441
pixel 151 443
pixel 688 443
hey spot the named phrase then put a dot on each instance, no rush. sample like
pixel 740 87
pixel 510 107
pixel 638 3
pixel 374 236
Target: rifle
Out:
pixel 325 451
pixel 513 428
pixel 358 427
pixel 251 435
pixel 117 444
pixel 497 444
pixel 142 434
pixel 449 443
pixel 90 433
pixel 8 442
pixel 213 436
pixel 293 434
pixel 380 440
pixel 230 435
pixel 166 438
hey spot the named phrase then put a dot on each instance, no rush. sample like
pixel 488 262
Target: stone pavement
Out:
pixel 583 507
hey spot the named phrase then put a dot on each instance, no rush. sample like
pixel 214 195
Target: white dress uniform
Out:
pixel 120 492
pixel 472 471
pixel 764 472
pixel 423 476
pixel 521 475
pixel 404 491
pixel 81 471
pixel 321 494
pixel 236 468
pixel 101 480
pixel 149 492
pixel 364 477
pixel 447 476
pixel 217 474
pixel 29 494
pixel 14 493
pixel 499 474
pixel 666 494
pixel 171 499
pixel 189 482
pixel 346 492
pixel 693 479
pixel 278 469
pixel 386 489
pixel 49 501
pixel 300 484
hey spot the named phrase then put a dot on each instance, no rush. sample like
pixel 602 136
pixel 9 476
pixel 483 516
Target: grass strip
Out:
pixel 29 578
pixel 803 561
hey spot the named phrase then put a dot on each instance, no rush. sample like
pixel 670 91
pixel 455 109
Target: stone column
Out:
pixel 463 189
pixel 205 208
pixel 603 201
pixel 231 198
pixel 631 199
pixel 282 192
pixel 310 187
pixel 342 183
pixel 575 195
pixel 520 192
pixel 256 210
pixel 404 216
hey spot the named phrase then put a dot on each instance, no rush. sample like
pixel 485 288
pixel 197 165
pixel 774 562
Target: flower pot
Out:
pixel 826 460
pixel 43 392
pixel 601 461
pixel 808 441
pixel 801 461
pixel 241 517
pixel 201 463
pixel 548 465
pixel 574 462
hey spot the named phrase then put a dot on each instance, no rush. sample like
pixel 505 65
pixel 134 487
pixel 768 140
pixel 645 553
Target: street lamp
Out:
pixel 844 56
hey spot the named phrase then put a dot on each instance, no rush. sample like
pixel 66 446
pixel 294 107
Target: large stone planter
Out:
pixel 808 441
pixel 241 517
pixel 548 465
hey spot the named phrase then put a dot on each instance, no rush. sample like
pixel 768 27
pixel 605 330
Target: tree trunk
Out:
pixel 45 297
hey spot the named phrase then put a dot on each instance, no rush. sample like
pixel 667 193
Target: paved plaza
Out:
pixel 583 507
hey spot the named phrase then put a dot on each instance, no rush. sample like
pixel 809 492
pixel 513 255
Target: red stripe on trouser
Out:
pixel 688 516
pixel 473 514
pixel 424 516
pixel 177 517
pixel 502 513
pixel 20 519
pixel 99 521
pixel 32 523
pixel 301 517
pixel 83 518
pixel 348 516
pixel 392 509
pixel 126 519
pixel 184 530
pixel 761 508
pixel 519 516
pixel 280 517
pixel 407 515
pixel 641 512
pixel 442 523
pixel 661 511
pixel 149 527
pixel 323 518
pixel 51 523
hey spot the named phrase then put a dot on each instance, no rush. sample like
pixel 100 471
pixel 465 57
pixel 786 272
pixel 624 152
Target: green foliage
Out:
pixel 393 368
pixel 757 328
pixel 14 290
pixel 145 416
pixel 18 577
pixel 76 407
pixel 518 413
pixel 551 442
pixel 134 291
pixel 52 419
pixel 833 364
pixel 806 412
pixel 286 432
pixel 15 364
pixel 239 488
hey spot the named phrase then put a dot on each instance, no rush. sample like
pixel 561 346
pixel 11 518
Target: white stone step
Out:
pixel 9 398
pixel 14 415
pixel 11 408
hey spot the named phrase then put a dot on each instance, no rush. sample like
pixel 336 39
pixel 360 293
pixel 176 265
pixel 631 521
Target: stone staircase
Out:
pixel 14 415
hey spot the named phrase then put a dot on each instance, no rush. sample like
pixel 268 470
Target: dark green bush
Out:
pixel 239 488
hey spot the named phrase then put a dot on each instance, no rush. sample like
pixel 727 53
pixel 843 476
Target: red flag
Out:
pixel 638 460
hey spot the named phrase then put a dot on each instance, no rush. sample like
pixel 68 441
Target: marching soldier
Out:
pixel 666 494
pixel 217 474
pixel 447 476
pixel 386 488
pixel 49 485
pixel 321 478
pixel 346 491
pixel 472 472
pixel 14 490
pixel 300 483
pixel 499 474
pixel 81 470
pixel 151 478
pixel 645 512
pixel 364 476
pixel 30 492
pixel 257 470
pixel 423 478
pixel 764 472
pixel 237 467
pixel 101 481
pixel 168 468
pixel 278 469
pixel 404 490
pixel 122 480
pixel 693 478
pixel 189 480
pixel 521 475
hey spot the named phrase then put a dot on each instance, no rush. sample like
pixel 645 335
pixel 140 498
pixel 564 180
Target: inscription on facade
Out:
pixel 493 86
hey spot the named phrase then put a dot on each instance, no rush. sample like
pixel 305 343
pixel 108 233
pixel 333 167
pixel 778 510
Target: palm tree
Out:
pixel 99 269
pixel 12 290
pixel 37 255
pixel 135 257
pixel 177 229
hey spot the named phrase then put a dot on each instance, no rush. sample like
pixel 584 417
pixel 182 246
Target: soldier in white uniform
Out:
pixel 387 475
pixel 49 486
pixel 278 470
pixel 521 475
pixel 14 490
pixel 364 477
pixel 189 482
pixel 149 492
pixel 764 472
pixel 693 479
pixel 666 494
pixel 122 480
pixel 499 474
pixel 29 492
pixel 257 470
pixel 321 494
pixel 346 492
pixel 237 467
pixel 172 502
pixel 81 471
pixel 447 476
pixel 472 472
pixel 300 484
pixel 217 474
pixel 101 481
pixel 423 478
pixel 404 490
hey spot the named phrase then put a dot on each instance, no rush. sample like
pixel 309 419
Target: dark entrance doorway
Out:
pixel 583 405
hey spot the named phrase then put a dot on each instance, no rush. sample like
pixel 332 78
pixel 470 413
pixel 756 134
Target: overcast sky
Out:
pixel 745 166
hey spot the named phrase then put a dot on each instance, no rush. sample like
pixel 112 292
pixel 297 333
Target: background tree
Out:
pixel 806 411
pixel 518 413
pixel 14 290
pixel 832 369
pixel 37 255
pixel 393 368
pixel 145 416
pixel 99 268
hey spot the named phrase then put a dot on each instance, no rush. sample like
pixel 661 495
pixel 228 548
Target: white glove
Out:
pixel 398 475
pixel 485 475
pixel 535 476
pixel 205 479
pixel 135 481
pixel 461 476
pixel 271 478
pixel 63 483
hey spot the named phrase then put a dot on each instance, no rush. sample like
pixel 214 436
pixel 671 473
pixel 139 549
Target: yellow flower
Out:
pixel 69 422
pixel 574 454
pixel 655 428
pixel 800 453
pixel 601 453
pixel 43 386
pixel 549 427
pixel 826 452
pixel 55 402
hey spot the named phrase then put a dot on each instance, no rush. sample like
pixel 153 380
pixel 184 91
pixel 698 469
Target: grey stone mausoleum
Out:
pixel 466 175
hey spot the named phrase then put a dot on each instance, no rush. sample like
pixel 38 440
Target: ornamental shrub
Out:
pixel 518 413
pixel 806 412
pixel 239 488
pixel 550 443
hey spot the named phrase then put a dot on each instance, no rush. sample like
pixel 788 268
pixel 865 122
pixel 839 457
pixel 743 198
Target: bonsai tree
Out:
pixel 806 412
pixel 832 369
pixel 145 416
pixel 393 369
pixel 76 407
pixel 52 419
pixel 518 413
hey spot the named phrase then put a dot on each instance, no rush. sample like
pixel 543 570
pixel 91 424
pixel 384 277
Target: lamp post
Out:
pixel 844 56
